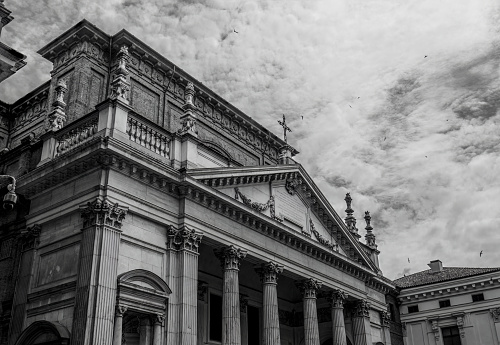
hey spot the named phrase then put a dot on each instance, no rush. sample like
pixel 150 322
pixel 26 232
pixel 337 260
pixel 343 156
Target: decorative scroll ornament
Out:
pixel 230 257
pixel 255 205
pixel 183 239
pixel 243 303
pixel 292 184
pixel 369 237
pixel 57 117
pixel 120 86
pixel 102 213
pixel 495 313
pixel 188 119
pixel 363 308
pixel 386 318
pixel 269 272
pixel 309 287
pixel 337 298
pixel 320 238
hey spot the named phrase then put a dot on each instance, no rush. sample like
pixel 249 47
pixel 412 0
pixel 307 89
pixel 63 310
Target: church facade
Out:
pixel 151 211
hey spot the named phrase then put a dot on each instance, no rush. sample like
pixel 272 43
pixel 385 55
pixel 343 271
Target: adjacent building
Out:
pixel 152 211
pixel 10 59
pixel 451 306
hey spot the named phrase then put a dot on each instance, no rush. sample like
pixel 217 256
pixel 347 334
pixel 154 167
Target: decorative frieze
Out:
pixel 102 213
pixel 78 134
pixel 261 207
pixel 183 239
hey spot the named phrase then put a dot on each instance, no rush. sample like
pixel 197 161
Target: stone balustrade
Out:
pixel 76 134
pixel 148 136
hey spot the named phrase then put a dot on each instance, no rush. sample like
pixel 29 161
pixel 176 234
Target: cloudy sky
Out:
pixel 400 100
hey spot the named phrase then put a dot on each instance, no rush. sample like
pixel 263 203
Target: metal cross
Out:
pixel 285 127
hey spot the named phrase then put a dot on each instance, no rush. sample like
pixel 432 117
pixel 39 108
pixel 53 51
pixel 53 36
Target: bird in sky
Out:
pixel 302 117
pixel 385 138
pixel 359 97
pixel 425 56
pixel 481 253
pixel 425 156
pixel 234 30
pixel 408 260
pixel 350 106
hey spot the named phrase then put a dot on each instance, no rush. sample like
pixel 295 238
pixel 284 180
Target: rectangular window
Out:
pixel 451 336
pixel 412 309
pixel 253 325
pixel 478 297
pixel 444 304
pixel 215 304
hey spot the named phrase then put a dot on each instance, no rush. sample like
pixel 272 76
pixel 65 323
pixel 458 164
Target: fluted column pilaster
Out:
pixel 269 273
pixel 157 325
pixel 118 326
pixel 361 323
pixel 230 261
pixel 336 299
pixel 309 288
pixel 244 319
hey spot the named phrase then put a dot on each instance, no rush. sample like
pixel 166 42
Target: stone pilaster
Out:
pixel 182 274
pixel 361 323
pixel 244 319
pixel 336 299
pixel 385 318
pixel 118 326
pixel 271 324
pixel 495 315
pixel 29 241
pixel 230 261
pixel 157 326
pixel 308 288
pixel 94 311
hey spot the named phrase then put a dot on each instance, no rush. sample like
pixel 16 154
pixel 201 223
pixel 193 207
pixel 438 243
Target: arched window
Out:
pixel 44 333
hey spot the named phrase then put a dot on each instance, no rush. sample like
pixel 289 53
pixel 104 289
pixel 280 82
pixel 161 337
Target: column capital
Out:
pixel 269 272
pixel 336 298
pixel 385 317
pixel 102 213
pixel 362 308
pixel 243 303
pixel 158 319
pixel 120 310
pixel 309 287
pixel 30 237
pixel 230 257
pixel 183 239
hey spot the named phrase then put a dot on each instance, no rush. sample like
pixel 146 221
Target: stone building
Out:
pixel 451 306
pixel 10 59
pixel 151 211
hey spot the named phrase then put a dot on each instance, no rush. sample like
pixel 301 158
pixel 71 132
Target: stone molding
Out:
pixel 183 239
pixel 337 298
pixel 362 309
pixel 102 213
pixel 309 287
pixel 230 257
pixel 269 272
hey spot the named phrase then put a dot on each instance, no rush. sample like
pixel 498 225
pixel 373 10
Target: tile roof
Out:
pixel 448 273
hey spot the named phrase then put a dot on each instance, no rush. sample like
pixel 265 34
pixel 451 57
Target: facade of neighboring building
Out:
pixel 10 59
pixel 151 211
pixel 451 306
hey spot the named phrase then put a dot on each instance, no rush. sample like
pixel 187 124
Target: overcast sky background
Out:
pixel 415 139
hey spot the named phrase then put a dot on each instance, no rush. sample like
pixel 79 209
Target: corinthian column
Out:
pixel 361 324
pixel 385 318
pixel 309 288
pixel 94 312
pixel 336 300
pixel 230 261
pixel 269 276
pixel 118 331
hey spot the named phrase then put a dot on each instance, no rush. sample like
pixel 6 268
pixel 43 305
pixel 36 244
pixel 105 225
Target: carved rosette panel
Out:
pixel 269 272
pixel 309 287
pixel 362 308
pixel 102 213
pixel 230 257
pixel 183 239
pixel 337 298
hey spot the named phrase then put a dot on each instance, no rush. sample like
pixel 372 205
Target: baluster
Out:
pixel 141 128
pixel 129 128
pixel 134 130
pixel 150 138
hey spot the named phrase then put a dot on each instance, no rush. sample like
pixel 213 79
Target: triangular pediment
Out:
pixel 287 194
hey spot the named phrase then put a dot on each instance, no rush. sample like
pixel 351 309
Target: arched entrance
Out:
pixel 44 333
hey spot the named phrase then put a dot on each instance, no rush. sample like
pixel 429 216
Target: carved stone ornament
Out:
pixel 291 185
pixel 460 324
pixel 159 319
pixel 202 290
pixel 102 213
pixel 336 298
pixel 188 119
pixel 57 117
pixel 120 310
pixel 230 257
pixel 385 316
pixel 309 287
pixel 30 237
pixel 320 238
pixel 269 272
pixel 255 205
pixel 495 314
pixel 183 239
pixel 435 329
pixel 369 237
pixel 350 221
pixel 120 86
pixel 363 308
pixel 243 303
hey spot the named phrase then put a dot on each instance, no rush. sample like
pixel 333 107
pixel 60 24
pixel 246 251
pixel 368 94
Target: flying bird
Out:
pixel 350 106
pixel 481 253
pixel 425 156
pixel 359 97
pixel 408 260
pixel 234 30
pixel 425 56
pixel 385 138
pixel 302 117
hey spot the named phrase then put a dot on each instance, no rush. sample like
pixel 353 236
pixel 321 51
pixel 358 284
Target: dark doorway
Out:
pixel 330 342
